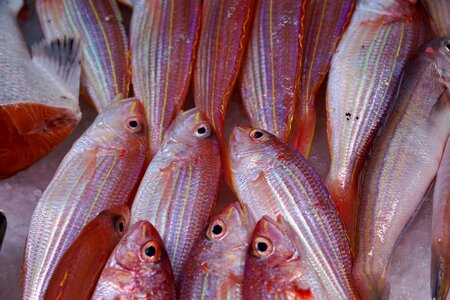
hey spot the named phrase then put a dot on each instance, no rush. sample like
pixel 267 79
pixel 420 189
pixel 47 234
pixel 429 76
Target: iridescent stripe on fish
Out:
pixel 224 31
pixel 271 66
pixel 105 66
pixel 325 21
pixel 439 15
pixel 363 80
pixel 163 38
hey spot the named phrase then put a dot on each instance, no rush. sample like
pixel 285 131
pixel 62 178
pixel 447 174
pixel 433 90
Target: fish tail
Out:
pixel 370 283
pixel 345 200
pixel 439 280
pixel 303 131
pixel 14 5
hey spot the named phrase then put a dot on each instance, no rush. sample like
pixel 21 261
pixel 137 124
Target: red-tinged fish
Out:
pixel 364 77
pixel 271 66
pixel 274 267
pixel 179 188
pixel 99 172
pixel 325 21
pixel 138 268
pixel 273 179
pixel 80 267
pixel 439 15
pixel 105 65
pixel 403 164
pixel 216 267
pixel 440 256
pixel 224 31
pixel 38 93
pixel 163 36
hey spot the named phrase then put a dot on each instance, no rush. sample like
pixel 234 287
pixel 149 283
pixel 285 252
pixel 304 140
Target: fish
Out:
pixel 402 164
pixel 269 79
pixel 272 178
pixel 440 228
pixel 225 28
pixel 79 269
pixel 3 226
pixel 138 268
pixel 163 40
pixel 438 12
pixel 100 171
pixel 216 267
pixel 274 267
pixel 38 93
pixel 325 22
pixel 105 67
pixel 365 72
pixel 179 188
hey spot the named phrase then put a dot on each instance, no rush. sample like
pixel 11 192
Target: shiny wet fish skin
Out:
pixel 89 179
pixel 216 267
pixel 179 188
pixel 272 178
pixel 439 15
pixel 138 268
pixel 80 267
pixel 38 93
pixel 363 80
pixel 403 164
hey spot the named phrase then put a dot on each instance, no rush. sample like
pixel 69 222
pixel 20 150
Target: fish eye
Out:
pixel 133 124
pixel 262 247
pixel 120 225
pixel 216 230
pixel 151 252
pixel 257 135
pixel 202 130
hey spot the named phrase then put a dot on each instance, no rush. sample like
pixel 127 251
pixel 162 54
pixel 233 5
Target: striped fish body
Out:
pixel 403 164
pixel 80 267
pixel 364 76
pixel 325 21
pixel 216 267
pixel 274 268
pixel 224 31
pixel 99 172
pixel 163 36
pixel 38 93
pixel 273 179
pixel 440 256
pixel 439 15
pixel 179 188
pixel 138 268
pixel 105 70
pixel 271 66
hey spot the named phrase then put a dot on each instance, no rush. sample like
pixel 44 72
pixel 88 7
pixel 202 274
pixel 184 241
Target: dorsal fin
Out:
pixel 61 60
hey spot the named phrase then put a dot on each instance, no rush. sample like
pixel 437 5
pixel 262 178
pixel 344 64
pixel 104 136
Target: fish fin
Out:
pixel 385 290
pixel 14 5
pixel 3 225
pixel 60 59
pixel 439 280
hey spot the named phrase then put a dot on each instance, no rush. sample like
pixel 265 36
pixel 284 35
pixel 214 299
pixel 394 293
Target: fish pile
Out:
pixel 129 211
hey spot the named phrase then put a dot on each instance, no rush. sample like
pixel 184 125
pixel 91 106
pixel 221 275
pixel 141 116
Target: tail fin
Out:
pixel 61 61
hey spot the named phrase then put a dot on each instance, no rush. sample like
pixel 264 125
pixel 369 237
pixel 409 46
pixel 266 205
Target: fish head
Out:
pixel 117 218
pixel 120 126
pixel 252 150
pixel 142 251
pixel 190 134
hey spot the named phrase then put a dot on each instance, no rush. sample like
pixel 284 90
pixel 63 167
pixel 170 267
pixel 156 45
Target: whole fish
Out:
pixel 105 65
pixel 440 256
pixel 403 164
pixel 3 225
pixel 79 269
pixel 272 178
pixel 216 267
pixel 224 32
pixel 138 268
pixel 179 188
pixel 100 171
pixel 364 76
pixel 325 22
pixel 274 268
pixel 163 38
pixel 439 16
pixel 38 93
pixel 271 66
